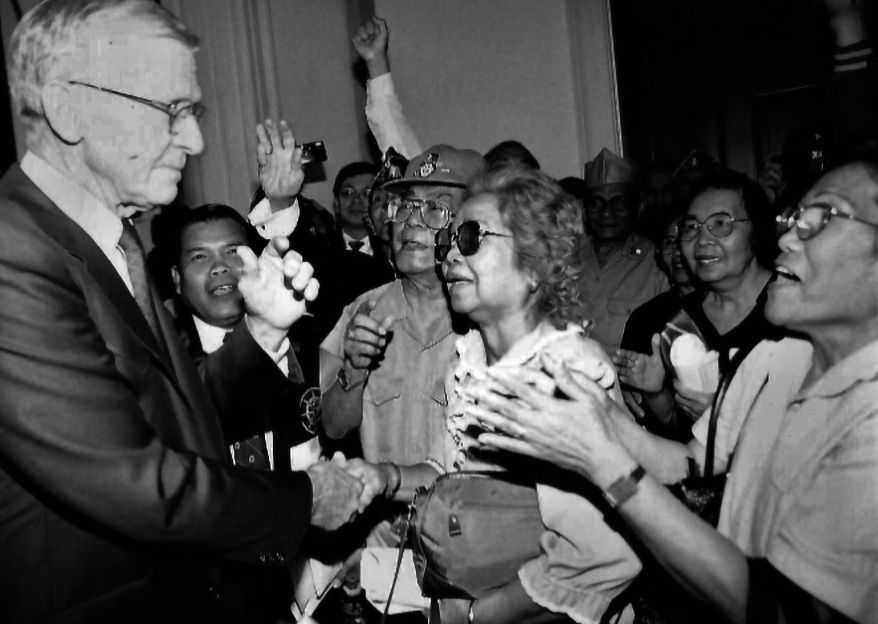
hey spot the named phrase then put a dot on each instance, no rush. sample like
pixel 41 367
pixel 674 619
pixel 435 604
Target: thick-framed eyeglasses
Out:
pixel 719 224
pixel 468 237
pixel 177 112
pixel 810 220
pixel 434 213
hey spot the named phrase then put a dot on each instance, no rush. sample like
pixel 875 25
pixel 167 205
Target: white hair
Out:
pixel 47 37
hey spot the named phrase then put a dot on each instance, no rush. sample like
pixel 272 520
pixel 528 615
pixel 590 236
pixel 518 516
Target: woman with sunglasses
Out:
pixel 727 238
pixel 510 264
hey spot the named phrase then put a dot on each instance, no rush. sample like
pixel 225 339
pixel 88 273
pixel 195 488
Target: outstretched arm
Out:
pixel 384 113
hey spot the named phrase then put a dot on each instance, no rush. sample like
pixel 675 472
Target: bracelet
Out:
pixel 471 613
pixel 395 488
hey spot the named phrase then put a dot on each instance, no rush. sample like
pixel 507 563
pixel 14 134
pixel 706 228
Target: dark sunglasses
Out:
pixel 468 238
pixel 810 220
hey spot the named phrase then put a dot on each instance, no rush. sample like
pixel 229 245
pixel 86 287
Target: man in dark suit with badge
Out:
pixel 205 273
pixel 208 307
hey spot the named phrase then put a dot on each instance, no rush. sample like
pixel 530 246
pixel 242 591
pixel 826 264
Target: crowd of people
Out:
pixel 616 406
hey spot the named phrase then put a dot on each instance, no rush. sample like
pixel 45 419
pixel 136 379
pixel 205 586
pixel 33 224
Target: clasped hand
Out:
pixel 343 489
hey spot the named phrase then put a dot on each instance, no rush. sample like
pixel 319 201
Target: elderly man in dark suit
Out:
pixel 116 490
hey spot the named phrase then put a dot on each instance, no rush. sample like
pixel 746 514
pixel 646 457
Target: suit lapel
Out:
pixel 79 245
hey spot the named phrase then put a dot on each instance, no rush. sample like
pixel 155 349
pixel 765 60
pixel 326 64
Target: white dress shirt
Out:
pixel 366 247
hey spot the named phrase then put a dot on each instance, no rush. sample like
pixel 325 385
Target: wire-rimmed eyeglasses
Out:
pixel 809 220
pixel 176 111
pixel 720 224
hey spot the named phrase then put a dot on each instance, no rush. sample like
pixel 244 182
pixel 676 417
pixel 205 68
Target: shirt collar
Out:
pixel 211 336
pixel 471 349
pixel 97 220
pixel 859 366
pixel 367 244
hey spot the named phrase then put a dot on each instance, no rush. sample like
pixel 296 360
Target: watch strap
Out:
pixel 625 487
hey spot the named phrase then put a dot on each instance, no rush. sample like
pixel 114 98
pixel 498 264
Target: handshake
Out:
pixel 344 488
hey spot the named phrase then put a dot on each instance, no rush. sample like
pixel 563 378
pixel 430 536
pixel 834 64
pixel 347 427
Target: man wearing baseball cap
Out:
pixel 382 367
pixel 620 270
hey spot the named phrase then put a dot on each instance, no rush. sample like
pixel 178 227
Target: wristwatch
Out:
pixel 345 383
pixel 624 488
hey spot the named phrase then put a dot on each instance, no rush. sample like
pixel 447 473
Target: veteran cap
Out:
pixel 607 168
pixel 441 165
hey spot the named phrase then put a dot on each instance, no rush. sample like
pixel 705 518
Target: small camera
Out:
pixel 315 151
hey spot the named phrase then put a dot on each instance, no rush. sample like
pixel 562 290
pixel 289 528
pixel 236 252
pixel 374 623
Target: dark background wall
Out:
pixel 732 77
pixel 7 142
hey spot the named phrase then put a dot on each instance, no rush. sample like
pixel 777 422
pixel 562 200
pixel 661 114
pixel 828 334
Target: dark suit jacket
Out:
pixel 115 488
pixel 281 413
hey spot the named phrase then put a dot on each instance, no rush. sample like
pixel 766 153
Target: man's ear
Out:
pixel 175 277
pixel 62 115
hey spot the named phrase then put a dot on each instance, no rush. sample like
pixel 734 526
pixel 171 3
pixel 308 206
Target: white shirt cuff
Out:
pixel 272 224
pixel 381 86
pixel 280 356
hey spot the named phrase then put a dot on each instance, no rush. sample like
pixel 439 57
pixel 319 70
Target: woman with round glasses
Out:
pixel 510 265
pixel 727 238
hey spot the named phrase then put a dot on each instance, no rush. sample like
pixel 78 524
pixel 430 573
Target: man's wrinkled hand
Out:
pixel 336 495
pixel 373 478
pixel 276 286
pixel 279 160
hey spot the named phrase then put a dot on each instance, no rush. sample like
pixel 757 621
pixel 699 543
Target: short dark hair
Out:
pixel 763 231
pixel 350 170
pixel 205 214
pixel 510 152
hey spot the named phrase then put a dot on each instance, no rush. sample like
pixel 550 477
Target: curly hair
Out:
pixel 546 226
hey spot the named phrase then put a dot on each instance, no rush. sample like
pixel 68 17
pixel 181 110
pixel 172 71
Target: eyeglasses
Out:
pixel 349 192
pixel 810 220
pixel 468 237
pixel 720 224
pixel 177 112
pixel 434 213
